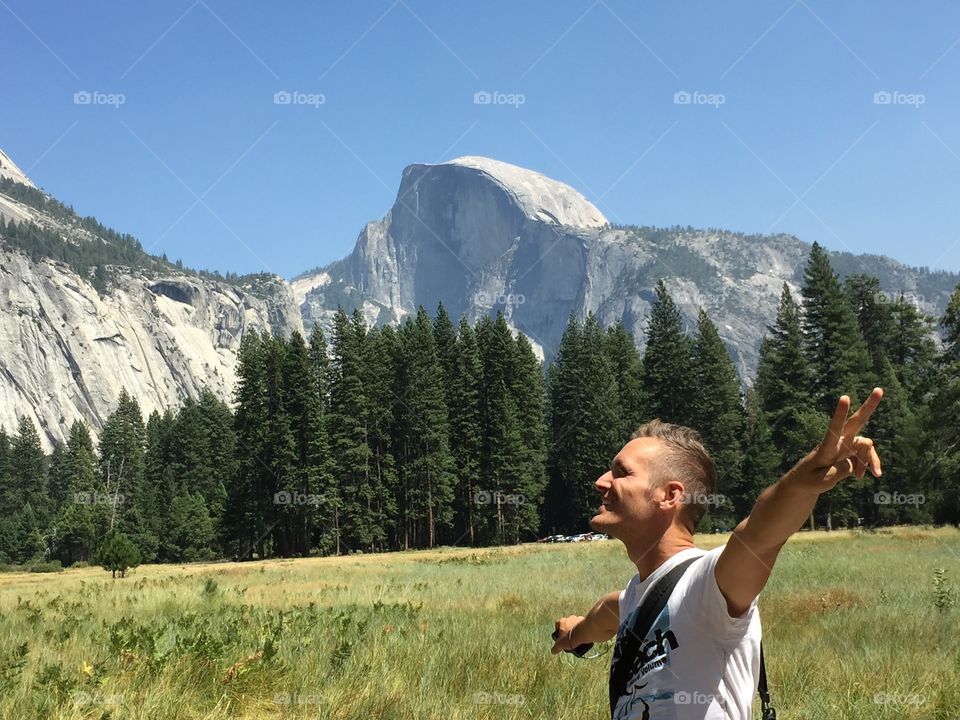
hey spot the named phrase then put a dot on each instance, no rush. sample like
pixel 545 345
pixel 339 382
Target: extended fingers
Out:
pixel 837 422
pixel 859 418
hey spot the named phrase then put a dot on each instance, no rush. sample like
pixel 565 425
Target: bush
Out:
pixel 118 554
pixel 44 567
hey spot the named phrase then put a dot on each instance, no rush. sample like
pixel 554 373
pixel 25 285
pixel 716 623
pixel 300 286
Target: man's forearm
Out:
pixel 600 623
pixel 778 513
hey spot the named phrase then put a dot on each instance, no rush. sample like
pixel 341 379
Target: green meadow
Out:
pixel 858 625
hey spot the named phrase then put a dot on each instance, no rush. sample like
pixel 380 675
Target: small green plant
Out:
pixel 943 593
pixel 209 588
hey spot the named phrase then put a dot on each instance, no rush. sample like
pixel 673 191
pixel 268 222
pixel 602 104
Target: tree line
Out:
pixel 435 433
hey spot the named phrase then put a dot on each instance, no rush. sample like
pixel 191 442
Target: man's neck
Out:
pixel 648 555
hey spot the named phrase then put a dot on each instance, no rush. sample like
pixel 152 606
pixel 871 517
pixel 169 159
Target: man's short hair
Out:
pixel 683 457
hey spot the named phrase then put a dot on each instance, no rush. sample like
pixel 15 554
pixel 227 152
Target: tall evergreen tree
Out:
pixel 718 414
pixel 466 430
pixel 247 512
pixel 584 425
pixel 627 365
pixel 27 473
pixel 761 460
pixel 348 433
pixel 383 352
pixel 841 363
pixel 913 348
pixel 321 456
pixel 833 341
pixel 530 481
pixel 426 463
pixel 943 464
pixel 502 436
pixel 122 446
pixel 668 375
pixel 784 385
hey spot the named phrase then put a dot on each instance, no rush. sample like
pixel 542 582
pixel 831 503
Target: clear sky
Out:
pixel 783 131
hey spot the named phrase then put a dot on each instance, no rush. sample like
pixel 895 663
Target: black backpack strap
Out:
pixel 630 640
pixel 766 712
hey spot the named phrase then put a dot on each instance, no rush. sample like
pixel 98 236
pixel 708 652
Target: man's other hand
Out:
pixel 565 626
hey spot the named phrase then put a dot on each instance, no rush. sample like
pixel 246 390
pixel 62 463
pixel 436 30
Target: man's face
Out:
pixel 630 504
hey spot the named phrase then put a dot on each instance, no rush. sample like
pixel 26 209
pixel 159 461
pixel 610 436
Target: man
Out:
pixel 700 659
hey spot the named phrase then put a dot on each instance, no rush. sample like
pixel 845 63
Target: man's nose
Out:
pixel 604 482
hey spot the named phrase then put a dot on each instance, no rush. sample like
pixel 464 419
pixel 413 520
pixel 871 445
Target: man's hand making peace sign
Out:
pixel 747 560
pixel 842 452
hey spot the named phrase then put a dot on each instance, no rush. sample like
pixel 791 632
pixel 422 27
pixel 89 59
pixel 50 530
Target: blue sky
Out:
pixel 784 130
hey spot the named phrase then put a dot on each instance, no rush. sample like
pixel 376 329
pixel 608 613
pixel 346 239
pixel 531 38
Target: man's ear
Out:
pixel 673 493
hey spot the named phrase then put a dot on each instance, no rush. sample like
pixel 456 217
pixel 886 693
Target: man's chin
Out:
pixel 603 522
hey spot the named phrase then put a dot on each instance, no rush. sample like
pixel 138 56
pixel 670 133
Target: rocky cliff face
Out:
pixel 483 236
pixel 66 351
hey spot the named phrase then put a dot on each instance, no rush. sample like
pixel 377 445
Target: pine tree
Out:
pixel 531 479
pixel 668 378
pixel 348 432
pixel 833 342
pixel 761 461
pixel 246 511
pixel 466 429
pixel 943 464
pixel 784 386
pixel 874 317
pixel 502 444
pixel 279 459
pixel 627 367
pixel 383 352
pixel 718 414
pixel 583 420
pixel 28 473
pixel 118 554
pixel 303 406
pixel 913 349
pixel 122 447
pixel 321 458
pixel 841 363
pixel 427 465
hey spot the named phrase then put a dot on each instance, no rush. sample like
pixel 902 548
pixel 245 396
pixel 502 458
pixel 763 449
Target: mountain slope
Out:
pixel 483 236
pixel 85 312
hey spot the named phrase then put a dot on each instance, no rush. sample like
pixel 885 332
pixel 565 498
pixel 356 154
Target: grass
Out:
pixel 856 626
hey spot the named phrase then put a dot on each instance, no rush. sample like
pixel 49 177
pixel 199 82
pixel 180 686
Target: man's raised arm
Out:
pixel 747 560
